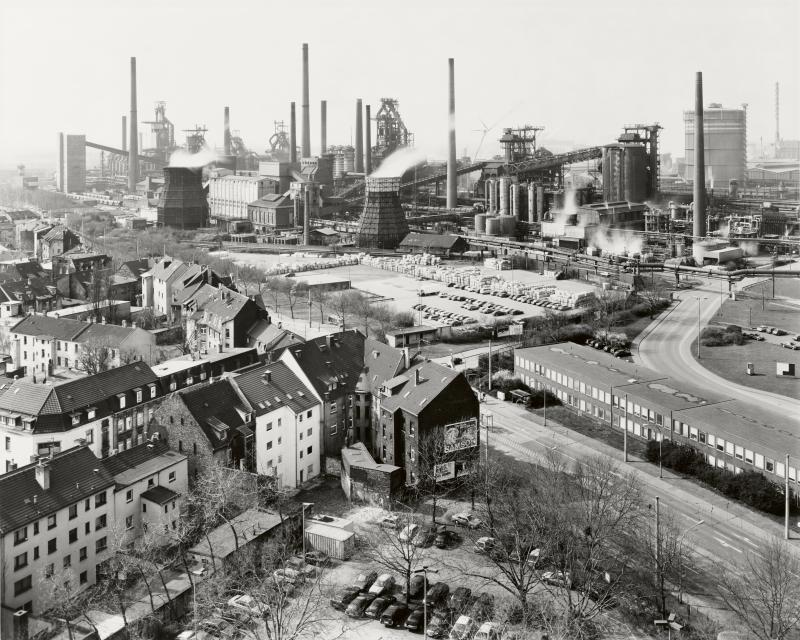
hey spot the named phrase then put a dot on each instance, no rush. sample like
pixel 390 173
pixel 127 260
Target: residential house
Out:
pixel 381 363
pixel 427 423
pixel 222 322
pixel 157 284
pixel 20 297
pixel 54 242
pixel 150 486
pixel 43 344
pixel 210 423
pixel 127 281
pixel 179 373
pixel 286 423
pixel 55 525
pixel 331 366
pixel 16 270
pixel 83 275
pixel 108 412
pixel 271 339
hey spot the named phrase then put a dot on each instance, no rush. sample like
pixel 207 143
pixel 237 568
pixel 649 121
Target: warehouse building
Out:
pixel 651 406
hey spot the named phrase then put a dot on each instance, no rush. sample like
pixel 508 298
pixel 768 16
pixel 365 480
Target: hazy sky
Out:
pixel 582 69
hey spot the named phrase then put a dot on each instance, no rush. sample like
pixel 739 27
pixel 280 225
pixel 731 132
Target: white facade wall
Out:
pixel 283 439
pixel 228 196
pixel 66 552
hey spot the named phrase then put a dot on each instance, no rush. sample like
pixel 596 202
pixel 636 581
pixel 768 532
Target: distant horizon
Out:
pixel 582 71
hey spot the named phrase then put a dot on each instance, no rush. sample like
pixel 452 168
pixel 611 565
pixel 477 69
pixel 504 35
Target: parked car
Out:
pixel 357 607
pixel 465 519
pixel 364 581
pixel 425 536
pixel 344 598
pixel 558 578
pixel 484 544
pixel 444 537
pixel 436 594
pixel 378 606
pixel 408 532
pixel 384 584
pixel 487 631
pixel 483 608
pixel 318 558
pixel 392 521
pixel 249 605
pixel 299 564
pixel 414 622
pixel 463 628
pixel 439 625
pixel 459 599
pixel 292 576
pixel 416 587
pixel 534 555
pixel 218 628
pixel 395 615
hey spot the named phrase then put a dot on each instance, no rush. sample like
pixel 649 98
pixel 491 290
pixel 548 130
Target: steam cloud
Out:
pixel 182 158
pixel 616 242
pixel 396 164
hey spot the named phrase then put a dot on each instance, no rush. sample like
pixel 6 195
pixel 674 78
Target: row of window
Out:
pixel 100 499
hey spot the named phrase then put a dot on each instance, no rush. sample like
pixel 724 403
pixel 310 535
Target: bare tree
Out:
pixel 295 292
pixel 764 591
pixel 274 288
pixel 319 299
pixel 95 356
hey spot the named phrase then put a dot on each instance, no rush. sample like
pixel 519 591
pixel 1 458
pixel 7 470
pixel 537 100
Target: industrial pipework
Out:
pixel 306 121
pixel 133 155
pixel 452 200
pixel 359 138
pixel 699 227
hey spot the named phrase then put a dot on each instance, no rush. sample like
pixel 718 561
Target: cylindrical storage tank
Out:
pixel 338 163
pixel 491 185
pixel 480 223
pixel 508 225
pixel 514 200
pixel 505 183
pixel 349 154
pixel 635 171
pixel 531 202
pixel 539 202
pixel 493 226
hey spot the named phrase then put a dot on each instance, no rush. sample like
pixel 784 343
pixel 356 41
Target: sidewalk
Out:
pixel 707 503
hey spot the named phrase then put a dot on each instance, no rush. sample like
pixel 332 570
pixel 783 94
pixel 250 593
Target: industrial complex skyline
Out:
pixel 581 71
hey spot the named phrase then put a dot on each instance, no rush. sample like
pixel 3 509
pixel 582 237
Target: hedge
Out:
pixel 749 487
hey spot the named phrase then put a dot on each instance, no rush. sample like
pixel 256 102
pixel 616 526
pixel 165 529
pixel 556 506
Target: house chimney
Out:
pixel 416 377
pixel 43 474
pixel 267 376
pixel 406 357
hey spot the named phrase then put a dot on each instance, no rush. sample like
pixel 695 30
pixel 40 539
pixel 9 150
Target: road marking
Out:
pixel 747 540
pixel 725 544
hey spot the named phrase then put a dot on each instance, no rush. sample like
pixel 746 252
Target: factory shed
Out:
pixel 436 244
pixel 330 535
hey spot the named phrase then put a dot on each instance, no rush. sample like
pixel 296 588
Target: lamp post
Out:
pixel 305 504
pixel 680 547
pixel 424 571
pixel 698 324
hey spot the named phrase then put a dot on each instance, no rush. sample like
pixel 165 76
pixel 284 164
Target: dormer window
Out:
pixel 76 418
pixel 138 394
pixel 152 391
pixel 189 380
pixel 122 399
pixel 91 412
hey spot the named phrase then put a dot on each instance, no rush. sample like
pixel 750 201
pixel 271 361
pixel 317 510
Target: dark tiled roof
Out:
pixel 23 290
pixel 283 389
pixel 413 397
pixel 133 457
pixel 381 362
pixel 112 334
pixel 21 270
pixel 224 306
pixel 83 392
pixel 58 328
pixel 75 474
pixel 159 494
pixel 26 397
pixel 271 337
pixel 213 404
pixel 137 267
pixel 338 358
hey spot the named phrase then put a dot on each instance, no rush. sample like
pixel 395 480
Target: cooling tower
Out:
pixel 183 203
pixel 383 223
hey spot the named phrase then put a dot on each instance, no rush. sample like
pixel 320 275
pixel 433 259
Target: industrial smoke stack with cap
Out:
pixel 323 127
pixel 359 138
pixel 306 120
pixel 133 155
pixel 124 133
pixel 452 200
pixel 293 136
pixel 699 228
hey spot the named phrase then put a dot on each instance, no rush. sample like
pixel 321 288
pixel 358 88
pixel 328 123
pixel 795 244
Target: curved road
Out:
pixel 666 347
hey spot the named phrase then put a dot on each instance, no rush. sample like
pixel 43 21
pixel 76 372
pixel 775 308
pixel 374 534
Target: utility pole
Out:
pixel 786 496
pixel 658 548
pixel 490 365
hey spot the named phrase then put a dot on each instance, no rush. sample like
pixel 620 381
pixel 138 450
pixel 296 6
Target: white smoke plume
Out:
pixel 616 241
pixel 570 207
pixel 182 158
pixel 397 163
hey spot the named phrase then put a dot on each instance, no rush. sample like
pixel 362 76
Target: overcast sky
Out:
pixel 582 69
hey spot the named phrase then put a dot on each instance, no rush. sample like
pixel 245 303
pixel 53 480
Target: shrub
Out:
pixel 537 399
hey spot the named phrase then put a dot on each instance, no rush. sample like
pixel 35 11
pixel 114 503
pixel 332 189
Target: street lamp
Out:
pixel 424 571
pixel 698 324
pixel 305 504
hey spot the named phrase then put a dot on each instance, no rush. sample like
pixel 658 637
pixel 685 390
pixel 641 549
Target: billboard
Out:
pixel 445 471
pixel 461 435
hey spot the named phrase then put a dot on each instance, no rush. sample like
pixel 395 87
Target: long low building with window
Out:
pixel 652 407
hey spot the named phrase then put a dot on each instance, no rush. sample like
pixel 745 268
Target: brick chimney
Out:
pixel 43 474
pixel 416 377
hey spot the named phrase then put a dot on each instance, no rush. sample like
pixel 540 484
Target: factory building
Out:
pixel 652 407
pixel 725 144
pixel 230 196
pixel 271 212
pixel 277 171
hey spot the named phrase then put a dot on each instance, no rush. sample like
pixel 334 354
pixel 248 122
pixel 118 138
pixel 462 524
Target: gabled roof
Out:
pixel 271 336
pixel 58 328
pixel 222 307
pixel 75 474
pixel 381 362
pixel 426 240
pixel 272 386
pixel 24 290
pixel 412 397
pixel 112 334
pixel 140 461
pixel 165 271
pixel 136 267
pixel 335 359
pixel 214 405
pixel 272 201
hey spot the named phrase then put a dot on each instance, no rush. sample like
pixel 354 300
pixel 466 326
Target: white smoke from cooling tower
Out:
pixel 182 158
pixel 397 163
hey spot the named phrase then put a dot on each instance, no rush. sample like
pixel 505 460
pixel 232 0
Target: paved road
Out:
pixel 667 345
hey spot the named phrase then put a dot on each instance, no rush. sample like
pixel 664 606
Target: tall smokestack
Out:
pixel 306 120
pixel 777 115
pixel 359 138
pixel 133 155
pixel 60 175
pixel 699 230
pixel 293 136
pixel 227 131
pixel 368 150
pixel 124 133
pixel 323 128
pixel 452 200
